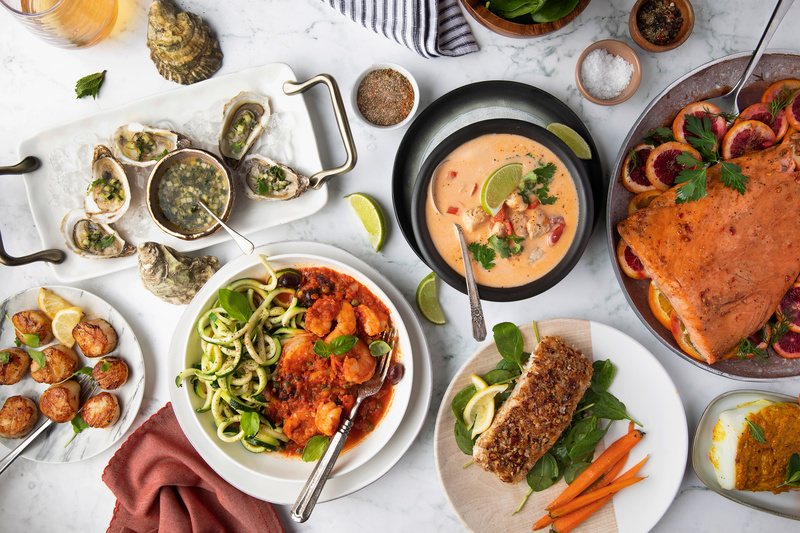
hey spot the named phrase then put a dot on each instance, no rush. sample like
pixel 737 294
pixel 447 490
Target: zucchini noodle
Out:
pixel 241 338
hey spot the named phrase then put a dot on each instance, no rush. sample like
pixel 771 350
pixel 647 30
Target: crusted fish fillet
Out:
pixel 537 412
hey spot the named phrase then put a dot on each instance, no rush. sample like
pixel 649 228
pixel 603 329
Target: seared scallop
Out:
pixel 16 367
pixel 59 402
pixel 110 373
pixel 33 322
pixel 61 362
pixel 101 411
pixel 17 417
pixel 95 337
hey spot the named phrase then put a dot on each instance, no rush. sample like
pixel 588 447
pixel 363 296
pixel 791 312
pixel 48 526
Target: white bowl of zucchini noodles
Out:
pixel 273 358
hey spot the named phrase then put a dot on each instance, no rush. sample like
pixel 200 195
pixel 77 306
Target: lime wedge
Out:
pixel 427 302
pixel 371 216
pixel 479 411
pixel 571 137
pixel 499 185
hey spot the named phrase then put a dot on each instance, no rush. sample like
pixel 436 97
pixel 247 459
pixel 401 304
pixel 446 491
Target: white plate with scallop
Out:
pixel 52 447
pixel 277 478
pixel 486 504
pixel 786 504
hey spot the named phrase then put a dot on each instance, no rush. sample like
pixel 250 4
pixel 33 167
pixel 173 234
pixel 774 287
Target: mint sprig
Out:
pixel 90 85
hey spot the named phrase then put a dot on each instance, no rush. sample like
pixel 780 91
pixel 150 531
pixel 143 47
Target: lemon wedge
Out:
pixel 479 411
pixel 51 303
pixel 63 323
pixel 478 382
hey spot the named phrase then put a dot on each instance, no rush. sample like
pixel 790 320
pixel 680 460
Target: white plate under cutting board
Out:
pixel 196 111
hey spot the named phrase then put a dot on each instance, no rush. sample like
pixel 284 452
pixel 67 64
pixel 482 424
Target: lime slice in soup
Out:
pixel 371 216
pixel 428 302
pixel 572 139
pixel 499 186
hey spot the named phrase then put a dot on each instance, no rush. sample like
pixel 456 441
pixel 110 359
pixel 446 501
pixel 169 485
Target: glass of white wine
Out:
pixel 66 23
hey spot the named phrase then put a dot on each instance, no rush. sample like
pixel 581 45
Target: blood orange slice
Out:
pixel 789 307
pixel 747 136
pixel 659 305
pixel 662 165
pixel 780 89
pixel 633 175
pixel 793 112
pixel 788 346
pixel 642 200
pixel 682 336
pixel 699 110
pixel 629 262
pixel 761 113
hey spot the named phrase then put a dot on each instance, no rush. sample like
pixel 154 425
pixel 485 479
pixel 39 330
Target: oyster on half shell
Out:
pixel 92 239
pixel 140 145
pixel 172 276
pixel 266 179
pixel 244 118
pixel 109 194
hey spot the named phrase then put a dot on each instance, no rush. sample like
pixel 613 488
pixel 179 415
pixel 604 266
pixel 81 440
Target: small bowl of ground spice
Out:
pixel 386 96
pixel 661 25
pixel 608 72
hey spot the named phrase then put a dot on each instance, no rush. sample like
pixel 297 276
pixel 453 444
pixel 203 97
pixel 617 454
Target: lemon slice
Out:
pixel 371 216
pixel 50 303
pixel 499 185
pixel 63 323
pixel 478 382
pixel 572 139
pixel 428 302
pixel 479 411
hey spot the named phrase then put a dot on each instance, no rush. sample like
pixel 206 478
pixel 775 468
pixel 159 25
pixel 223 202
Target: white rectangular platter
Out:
pixel 196 110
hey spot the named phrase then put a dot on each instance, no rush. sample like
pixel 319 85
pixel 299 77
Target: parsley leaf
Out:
pixel 537 183
pixel 702 136
pixel 90 85
pixel 506 247
pixel 482 254
pixel 658 136
pixel 732 177
pixel 694 187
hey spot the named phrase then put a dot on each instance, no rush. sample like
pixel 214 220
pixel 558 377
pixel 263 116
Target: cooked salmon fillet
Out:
pixel 724 262
pixel 539 409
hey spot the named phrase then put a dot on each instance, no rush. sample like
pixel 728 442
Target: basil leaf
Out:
pixel 39 357
pixel 342 344
pixel 379 348
pixel 78 425
pixel 509 342
pixel 235 304
pixel 321 349
pixel 250 423
pixel 544 473
pixel 5 357
pixel 574 470
pixel 755 431
pixel 602 375
pixel 460 401
pixel 314 448
pixel 463 438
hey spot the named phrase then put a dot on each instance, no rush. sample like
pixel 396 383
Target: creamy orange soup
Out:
pixel 544 232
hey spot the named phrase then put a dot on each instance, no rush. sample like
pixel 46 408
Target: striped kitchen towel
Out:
pixel 432 28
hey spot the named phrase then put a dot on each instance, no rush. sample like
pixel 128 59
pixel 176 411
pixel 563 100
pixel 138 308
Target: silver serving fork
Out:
pixel 308 497
pixel 88 387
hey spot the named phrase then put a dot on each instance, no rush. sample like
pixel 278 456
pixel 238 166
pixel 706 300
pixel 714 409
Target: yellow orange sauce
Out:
pixel 762 466
pixel 456 188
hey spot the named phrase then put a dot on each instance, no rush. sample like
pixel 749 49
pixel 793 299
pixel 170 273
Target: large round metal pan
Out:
pixel 707 81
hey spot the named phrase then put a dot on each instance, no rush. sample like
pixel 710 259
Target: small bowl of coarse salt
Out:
pixel 608 72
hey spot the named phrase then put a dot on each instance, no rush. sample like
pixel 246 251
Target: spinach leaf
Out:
pixel 583 437
pixel 602 375
pixel 554 10
pixel 495 376
pixel 608 406
pixel 544 473
pixel 585 447
pixel 235 304
pixel 574 470
pixel 463 438
pixel 314 448
pixel 509 342
pixel 460 401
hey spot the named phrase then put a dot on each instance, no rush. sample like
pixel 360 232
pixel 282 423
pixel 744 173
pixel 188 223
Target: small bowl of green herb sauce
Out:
pixel 175 184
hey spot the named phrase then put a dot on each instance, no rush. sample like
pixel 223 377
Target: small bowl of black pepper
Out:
pixel 661 25
pixel 386 96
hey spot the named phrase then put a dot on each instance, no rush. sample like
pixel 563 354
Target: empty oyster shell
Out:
pixel 182 46
pixel 265 179
pixel 109 194
pixel 91 239
pixel 140 145
pixel 244 118
pixel 172 276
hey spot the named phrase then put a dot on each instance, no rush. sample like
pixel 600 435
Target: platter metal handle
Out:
pixel 52 255
pixel 294 87
pixel 29 164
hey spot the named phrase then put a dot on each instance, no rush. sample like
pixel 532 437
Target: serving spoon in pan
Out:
pixel 728 102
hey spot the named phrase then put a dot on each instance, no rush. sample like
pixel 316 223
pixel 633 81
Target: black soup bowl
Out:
pixel 580 177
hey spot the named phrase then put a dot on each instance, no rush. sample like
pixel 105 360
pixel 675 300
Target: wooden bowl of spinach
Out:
pixel 524 18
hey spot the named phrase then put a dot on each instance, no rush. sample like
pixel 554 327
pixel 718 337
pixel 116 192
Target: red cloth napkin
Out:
pixel 162 484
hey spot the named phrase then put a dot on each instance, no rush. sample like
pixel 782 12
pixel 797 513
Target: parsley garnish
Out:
pixel 482 254
pixel 506 247
pixel 90 85
pixel 658 136
pixel 537 182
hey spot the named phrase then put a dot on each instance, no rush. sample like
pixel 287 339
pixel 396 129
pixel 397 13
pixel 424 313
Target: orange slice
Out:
pixel 633 170
pixel 659 305
pixel 682 337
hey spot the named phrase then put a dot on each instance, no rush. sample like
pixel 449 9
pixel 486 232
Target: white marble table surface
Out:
pixel 37 93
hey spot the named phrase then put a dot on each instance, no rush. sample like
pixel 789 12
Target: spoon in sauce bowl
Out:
pixel 475 309
pixel 246 246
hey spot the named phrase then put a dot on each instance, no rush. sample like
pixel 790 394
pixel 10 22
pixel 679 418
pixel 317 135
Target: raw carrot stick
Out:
pixel 600 466
pixel 592 497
